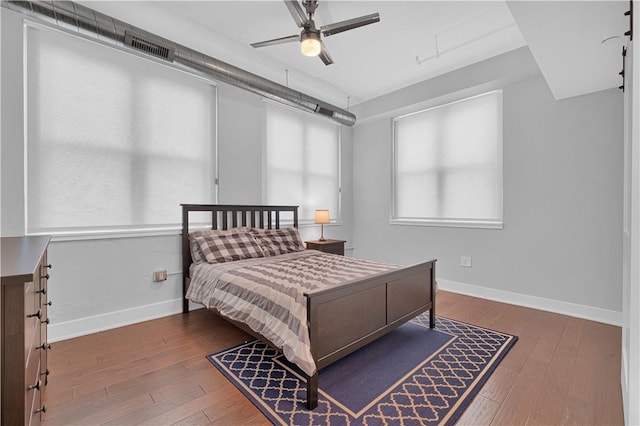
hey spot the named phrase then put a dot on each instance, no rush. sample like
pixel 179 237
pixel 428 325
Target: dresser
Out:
pixel 24 303
pixel 327 246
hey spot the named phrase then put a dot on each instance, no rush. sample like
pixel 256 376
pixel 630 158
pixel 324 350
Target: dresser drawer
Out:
pixel 33 386
pixel 337 249
pixel 44 304
pixel 32 314
pixel 327 246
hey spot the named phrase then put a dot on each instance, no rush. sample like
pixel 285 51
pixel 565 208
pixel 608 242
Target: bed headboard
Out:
pixel 225 216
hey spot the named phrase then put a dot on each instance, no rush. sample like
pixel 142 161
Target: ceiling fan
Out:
pixel 310 38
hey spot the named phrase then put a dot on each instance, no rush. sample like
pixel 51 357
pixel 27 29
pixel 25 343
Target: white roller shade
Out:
pixel 302 161
pixel 448 162
pixel 114 141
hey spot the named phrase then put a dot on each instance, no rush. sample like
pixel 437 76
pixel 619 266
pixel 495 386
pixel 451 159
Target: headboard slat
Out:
pixel 220 220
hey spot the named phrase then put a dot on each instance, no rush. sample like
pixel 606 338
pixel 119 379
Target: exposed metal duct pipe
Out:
pixel 75 18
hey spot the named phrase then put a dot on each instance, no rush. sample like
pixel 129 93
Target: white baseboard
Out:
pixel 94 324
pixel 83 326
pixel 624 381
pixel 565 308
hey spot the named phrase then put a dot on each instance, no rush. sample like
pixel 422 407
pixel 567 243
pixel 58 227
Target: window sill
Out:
pixel 107 234
pixel 95 234
pixel 480 224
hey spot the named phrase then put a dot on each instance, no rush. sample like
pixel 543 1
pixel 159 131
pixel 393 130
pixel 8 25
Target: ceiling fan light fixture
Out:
pixel 310 37
pixel 310 43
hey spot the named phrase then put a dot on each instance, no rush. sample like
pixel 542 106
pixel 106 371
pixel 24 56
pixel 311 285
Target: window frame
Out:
pixel 449 222
pixel 97 233
pixel 336 219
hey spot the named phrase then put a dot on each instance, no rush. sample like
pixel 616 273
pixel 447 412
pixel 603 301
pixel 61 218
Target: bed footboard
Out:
pixel 344 319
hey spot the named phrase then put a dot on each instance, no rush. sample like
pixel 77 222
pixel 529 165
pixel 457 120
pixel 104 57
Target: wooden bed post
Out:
pixel 312 326
pixel 312 391
pixel 434 289
pixel 186 257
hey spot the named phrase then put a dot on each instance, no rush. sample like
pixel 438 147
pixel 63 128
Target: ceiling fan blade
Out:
pixel 349 24
pixel 324 55
pixel 275 41
pixel 296 12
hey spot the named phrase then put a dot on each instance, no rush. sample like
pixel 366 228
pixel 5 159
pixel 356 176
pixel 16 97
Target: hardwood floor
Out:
pixel 562 370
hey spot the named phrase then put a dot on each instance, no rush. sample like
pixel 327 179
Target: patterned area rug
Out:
pixel 411 376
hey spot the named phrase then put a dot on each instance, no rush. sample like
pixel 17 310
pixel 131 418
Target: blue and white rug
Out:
pixel 412 376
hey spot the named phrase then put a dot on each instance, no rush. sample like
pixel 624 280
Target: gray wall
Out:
pixel 562 190
pixel 101 283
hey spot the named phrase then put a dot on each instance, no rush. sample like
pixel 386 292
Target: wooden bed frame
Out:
pixel 340 319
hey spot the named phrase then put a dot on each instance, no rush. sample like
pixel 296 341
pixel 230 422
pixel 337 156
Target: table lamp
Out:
pixel 322 217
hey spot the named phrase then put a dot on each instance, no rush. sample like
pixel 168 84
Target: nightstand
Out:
pixel 327 246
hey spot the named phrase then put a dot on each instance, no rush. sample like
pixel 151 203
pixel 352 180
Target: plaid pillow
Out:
pixel 278 241
pixel 196 253
pixel 228 247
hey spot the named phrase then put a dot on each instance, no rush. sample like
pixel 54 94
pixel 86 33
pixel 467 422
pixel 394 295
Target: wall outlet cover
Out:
pixel 465 261
pixel 159 276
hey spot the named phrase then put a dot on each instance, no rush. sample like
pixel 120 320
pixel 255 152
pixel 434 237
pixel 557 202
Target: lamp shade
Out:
pixel 322 216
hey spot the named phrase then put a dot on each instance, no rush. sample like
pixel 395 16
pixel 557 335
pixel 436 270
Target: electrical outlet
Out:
pixel 159 276
pixel 465 261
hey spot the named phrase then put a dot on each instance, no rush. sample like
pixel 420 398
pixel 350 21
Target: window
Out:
pixel 302 161
pixel 114 142
pixel 447 164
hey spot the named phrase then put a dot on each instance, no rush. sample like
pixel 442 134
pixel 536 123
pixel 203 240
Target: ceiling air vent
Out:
pixel 324 111
pixel 149 47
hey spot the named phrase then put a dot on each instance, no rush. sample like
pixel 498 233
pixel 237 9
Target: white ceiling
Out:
pixel 579 46
pixel 564 37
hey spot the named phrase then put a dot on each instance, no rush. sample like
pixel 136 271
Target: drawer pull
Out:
pixel 36 386
pixel 37 314
pixel 46 376
pixel 42 409
pixel 43 291
pixel 44 276
pixel 48 266
pixel 47 321
pixel 44 346
pixel 49 303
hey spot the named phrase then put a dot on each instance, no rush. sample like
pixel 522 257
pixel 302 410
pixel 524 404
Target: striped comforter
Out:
pixel 267 293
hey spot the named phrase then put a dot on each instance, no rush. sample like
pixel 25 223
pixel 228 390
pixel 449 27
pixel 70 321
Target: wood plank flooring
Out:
pixel 562 370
